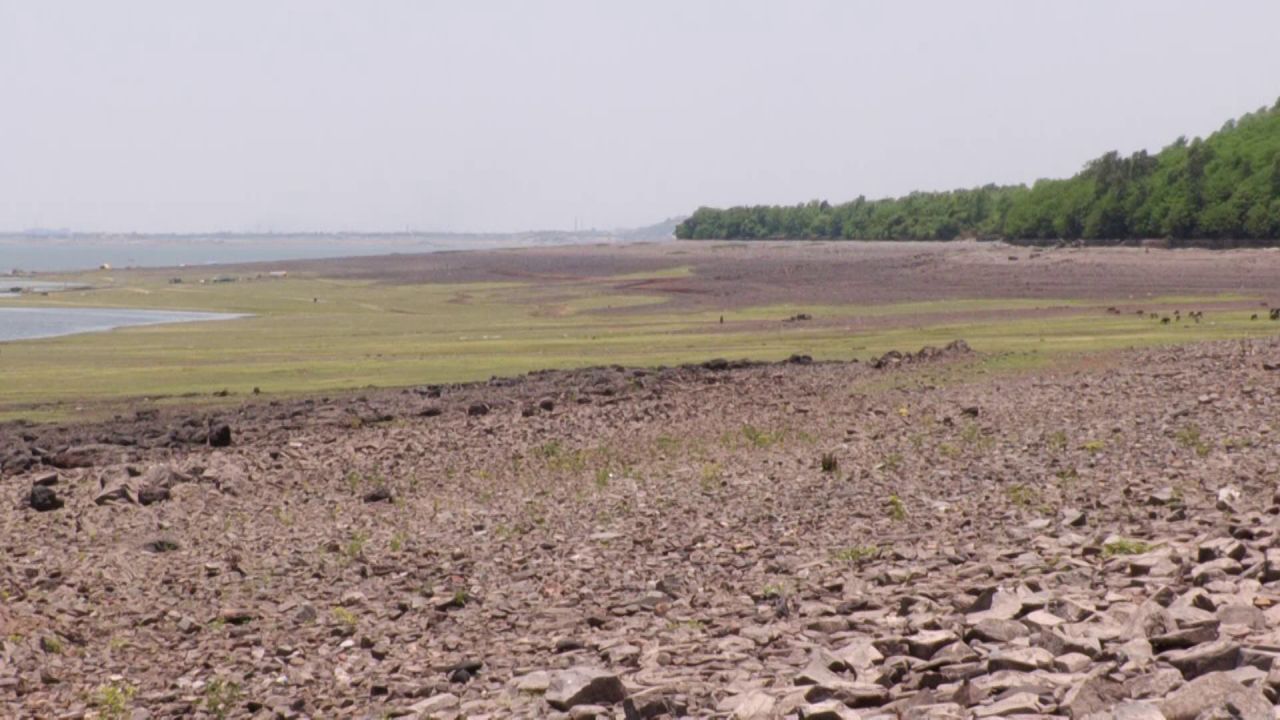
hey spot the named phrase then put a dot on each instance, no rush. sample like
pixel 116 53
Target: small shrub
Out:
pixel 355 546
pixel 221 697
pixel 1189 437
pixel 51 644
pixel 897 508
pixel 113 701
pixel 1022 495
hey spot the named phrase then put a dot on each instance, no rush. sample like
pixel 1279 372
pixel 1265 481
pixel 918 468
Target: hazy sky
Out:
pixel 473 115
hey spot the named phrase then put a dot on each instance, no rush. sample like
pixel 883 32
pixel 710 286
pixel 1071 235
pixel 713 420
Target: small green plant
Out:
pixel 1125 546
pixel 710 476
pixel 355 546
pixel 759 438
pixel 897 508
pixel 891 462
pixel 1190 437
pixel 345 616
pixel 1093 447
pixel 397 542
pixel 773 590
pixel 51 644
pixel 829 463
pixel 666 443
pixel 1022 495
pixel 217 624
pixel 461 597
pixel 602 478
pixel 113 701
pixel 857 553
pixel 1056 440
pixel 949 450
pixel 221 697
pixel 975 437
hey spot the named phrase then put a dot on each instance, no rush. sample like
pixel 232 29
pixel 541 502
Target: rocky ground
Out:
pixel 917 540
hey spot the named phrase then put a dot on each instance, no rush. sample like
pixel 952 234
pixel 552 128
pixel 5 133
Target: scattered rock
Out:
pixel 584 686
pixel 44 499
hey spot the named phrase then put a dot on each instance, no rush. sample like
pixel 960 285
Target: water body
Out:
pixel 16 286
pixel 29 323
pixel 84 252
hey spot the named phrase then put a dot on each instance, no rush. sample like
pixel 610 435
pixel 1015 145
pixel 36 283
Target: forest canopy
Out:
pixel 1223 190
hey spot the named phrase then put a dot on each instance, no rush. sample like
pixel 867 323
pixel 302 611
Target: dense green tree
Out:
pixel 1220 190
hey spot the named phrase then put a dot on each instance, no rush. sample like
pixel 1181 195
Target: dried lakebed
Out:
pixel 816 540
pixel 31 323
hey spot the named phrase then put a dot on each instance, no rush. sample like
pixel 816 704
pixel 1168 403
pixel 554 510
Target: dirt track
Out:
pixel 1052 544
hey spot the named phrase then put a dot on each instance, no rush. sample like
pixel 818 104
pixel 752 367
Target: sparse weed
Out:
pixel 397 542
pixel 773 590
pixel 760 438
pixel 51 644
pixel 1125 546
pixel 1190 437
pixel 897 508
pixel 1093 447
pixel 710 476
pixel 355 546
pixel 1056 440
pixel 1022 495
pixel 113 700
pixel 602 478
pixel 345 616
pixel 857 553
pixel 221 697
pixel 891 462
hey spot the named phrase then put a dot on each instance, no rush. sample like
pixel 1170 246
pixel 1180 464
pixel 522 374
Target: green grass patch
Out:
pixel 311 334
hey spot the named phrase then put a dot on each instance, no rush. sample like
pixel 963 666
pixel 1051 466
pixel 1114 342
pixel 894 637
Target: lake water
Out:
pixel 84 252
pixel 28 323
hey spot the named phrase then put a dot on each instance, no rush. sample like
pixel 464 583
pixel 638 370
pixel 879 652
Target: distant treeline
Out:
pixel 1223 190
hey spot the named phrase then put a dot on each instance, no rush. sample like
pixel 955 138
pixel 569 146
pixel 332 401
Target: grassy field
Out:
pixel 317 334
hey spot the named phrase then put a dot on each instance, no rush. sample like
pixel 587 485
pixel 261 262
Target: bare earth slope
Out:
pixel 737 274
pixel 1056 543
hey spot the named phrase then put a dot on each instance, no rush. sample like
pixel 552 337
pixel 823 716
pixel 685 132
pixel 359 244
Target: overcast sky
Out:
pixel 490 116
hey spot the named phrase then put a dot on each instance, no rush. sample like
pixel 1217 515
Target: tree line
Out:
pixel 1223 190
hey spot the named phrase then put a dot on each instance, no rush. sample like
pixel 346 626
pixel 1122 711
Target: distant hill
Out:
pixel 664 230
pixel 1220 191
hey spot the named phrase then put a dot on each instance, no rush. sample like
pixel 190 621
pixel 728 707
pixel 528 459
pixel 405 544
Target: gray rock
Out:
pixel 1206 658
pixel 997 630
pixel 1214 691
pixel 829 710
pixel 584 686
pixel 1137 711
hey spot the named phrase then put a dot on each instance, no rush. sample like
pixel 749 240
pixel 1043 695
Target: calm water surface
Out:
pixel 28 323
